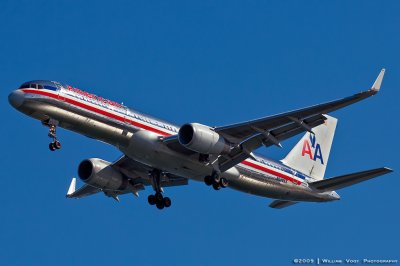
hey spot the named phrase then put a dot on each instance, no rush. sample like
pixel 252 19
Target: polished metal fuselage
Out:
pixel 139 136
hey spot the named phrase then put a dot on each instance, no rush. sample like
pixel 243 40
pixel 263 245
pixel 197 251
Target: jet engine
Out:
pixel 100 174
pixel 202 139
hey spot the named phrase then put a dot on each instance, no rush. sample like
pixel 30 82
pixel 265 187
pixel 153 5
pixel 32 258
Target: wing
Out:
pixel 84 191
pixel 271 130
pixel 343 181
pixel 286 125
pixel 137 174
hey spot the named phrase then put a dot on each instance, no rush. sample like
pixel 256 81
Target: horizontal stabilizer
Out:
pixel 279 204
pixel 343 181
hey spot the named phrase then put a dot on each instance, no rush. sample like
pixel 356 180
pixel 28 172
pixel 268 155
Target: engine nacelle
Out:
pixel 99 173
pixel 202 139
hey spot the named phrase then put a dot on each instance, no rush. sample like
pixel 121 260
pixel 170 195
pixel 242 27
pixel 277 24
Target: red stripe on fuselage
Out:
pixel 264 169
pixel 98 111
pixel 146 127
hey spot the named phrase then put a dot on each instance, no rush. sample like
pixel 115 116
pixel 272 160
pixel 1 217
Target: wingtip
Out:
pixel 378 82
pixel 389 170
pixel 72 188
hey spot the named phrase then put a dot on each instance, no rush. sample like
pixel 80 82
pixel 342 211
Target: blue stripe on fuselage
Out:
pixel 282 167
pixel 47 87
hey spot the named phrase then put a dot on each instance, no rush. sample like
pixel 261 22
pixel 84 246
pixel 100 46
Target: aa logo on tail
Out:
pixel 314 150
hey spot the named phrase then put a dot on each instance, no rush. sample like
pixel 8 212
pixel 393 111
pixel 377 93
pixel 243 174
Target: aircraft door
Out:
pixel 61 96
pixel 61 91
pixel 126 116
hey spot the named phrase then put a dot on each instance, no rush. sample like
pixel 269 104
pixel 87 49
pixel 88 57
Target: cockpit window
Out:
pixel 24 86
pixel 37 86
pixel 50 88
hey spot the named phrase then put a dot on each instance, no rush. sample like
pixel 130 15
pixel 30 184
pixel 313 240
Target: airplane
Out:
pixel 160 154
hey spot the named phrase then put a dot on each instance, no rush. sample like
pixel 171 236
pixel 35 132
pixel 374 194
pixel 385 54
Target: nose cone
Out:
pixel 16 98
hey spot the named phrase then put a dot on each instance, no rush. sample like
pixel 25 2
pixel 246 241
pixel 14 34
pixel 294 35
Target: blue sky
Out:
pixel 214 63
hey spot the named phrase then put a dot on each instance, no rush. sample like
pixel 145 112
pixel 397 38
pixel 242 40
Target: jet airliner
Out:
pixel 160 154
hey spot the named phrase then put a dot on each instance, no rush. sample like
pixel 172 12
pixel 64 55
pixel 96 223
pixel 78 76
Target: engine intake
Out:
pixel 202 139
pixel 99 173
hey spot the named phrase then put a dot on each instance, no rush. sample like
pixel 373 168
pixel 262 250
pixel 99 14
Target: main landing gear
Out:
pixel 216 181
pixel 158 199
pixel 52 125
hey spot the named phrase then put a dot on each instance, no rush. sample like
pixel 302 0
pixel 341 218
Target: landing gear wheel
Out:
pixel 216 181
pixel 208 180
pixel 215 178
pixel 160 205
pixel 167 202
pixel 151 199
pixel 158 199
pixel 223 182
pixel 51 146
pixel 57 144
pixel 52 125
pixel 216 186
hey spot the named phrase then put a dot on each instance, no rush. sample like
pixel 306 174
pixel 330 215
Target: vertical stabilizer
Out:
pixel 310 155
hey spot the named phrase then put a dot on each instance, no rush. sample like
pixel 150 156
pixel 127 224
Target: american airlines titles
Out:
pixel 94 98
pixel 117 107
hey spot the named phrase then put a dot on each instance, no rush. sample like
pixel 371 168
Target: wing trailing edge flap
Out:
pixel 343 181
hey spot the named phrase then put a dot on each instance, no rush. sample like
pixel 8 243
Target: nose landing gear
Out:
pixel 158 199
pixel 55 145
pixel 52 125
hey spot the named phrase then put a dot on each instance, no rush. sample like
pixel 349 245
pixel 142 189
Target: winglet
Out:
pixel 377 84
pixel 72 187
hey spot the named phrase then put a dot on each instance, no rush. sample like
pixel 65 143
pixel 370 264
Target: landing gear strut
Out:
pixel 158 199
pixel 52 125
pixel 216 181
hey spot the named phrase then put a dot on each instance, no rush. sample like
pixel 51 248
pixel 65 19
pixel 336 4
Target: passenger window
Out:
pixel 40 87
pixel 33 86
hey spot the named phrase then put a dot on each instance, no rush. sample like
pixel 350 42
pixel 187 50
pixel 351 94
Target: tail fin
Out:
pixel 310 155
